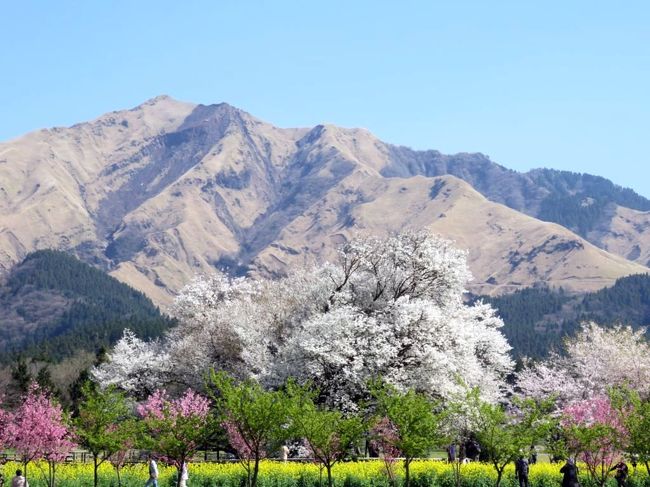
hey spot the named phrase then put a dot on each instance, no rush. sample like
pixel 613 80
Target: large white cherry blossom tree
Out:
pixel 389 307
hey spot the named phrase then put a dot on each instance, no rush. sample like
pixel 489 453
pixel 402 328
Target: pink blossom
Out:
pixel 596 432
pixel 37 429
pixel 244 449
pixel 598 410
pixel 154 406
pixel 177 425
pixel 159 406
pixel 385 438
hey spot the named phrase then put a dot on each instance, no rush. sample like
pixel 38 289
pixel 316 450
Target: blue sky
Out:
pixel 532 84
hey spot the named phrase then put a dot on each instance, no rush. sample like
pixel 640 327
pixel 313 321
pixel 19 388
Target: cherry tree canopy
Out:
pixel 596 359
pixel 388 307
pixel 394 308
pixel 135 366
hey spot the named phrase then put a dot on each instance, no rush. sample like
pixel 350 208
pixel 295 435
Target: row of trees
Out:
pixel 299 357
pixel 254 422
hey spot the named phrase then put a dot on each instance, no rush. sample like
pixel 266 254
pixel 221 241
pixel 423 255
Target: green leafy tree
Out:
pixel 504 435
pixel 255 421
pixel 460 416
pixel 416 422
pixel 635 413
pixel 21 377
pixel 329 434
pixel 104 424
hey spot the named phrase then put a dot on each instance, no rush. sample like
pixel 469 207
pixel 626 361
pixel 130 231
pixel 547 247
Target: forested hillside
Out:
pixel 537 319
pixel 580 201
pixel 52 305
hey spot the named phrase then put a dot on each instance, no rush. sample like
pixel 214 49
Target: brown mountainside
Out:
pixel 168 189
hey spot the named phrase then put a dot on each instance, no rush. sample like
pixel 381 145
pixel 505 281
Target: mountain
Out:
pixel 52 306
pixel 507 249
pixel 537 319
pixel 166 190
pixel 611 217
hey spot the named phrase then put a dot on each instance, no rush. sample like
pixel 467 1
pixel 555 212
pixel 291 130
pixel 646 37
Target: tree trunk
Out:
pixel 119 478
pixel 180 472
pixel 457 467
pixel 499 476
pixel 95 467
pixel 248 473
pixel 51 471
pixel 256 469
pixel 407 473
pixel 647 467
pixel 330 483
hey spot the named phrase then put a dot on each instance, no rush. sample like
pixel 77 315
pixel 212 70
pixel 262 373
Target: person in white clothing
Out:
pixel 19 480
pixel 153 473
pixel 284 453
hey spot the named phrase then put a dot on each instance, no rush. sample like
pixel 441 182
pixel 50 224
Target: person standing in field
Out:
pixel 621 474
pixel 153 473
pixel 451 453
pixel 521 471
pixel 570 472
pixel 19 480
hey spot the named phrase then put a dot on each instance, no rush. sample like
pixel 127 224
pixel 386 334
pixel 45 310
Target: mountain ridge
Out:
pixel 168 189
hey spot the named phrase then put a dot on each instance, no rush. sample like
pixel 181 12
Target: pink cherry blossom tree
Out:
pixel 4 419
pixel 596 434
pixel 175 428
pixel 385 438
pixel 38 430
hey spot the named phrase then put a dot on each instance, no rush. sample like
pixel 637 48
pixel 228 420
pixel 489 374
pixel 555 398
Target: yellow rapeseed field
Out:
pixel 371 473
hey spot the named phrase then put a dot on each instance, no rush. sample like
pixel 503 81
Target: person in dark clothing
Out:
pixel 451 453
pixel 532 458
pixel 621 473
pixel 472 449
pixel 570 474
pixel 521 471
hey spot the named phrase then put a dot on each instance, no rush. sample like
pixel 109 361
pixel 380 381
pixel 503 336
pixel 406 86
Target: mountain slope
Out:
pixel 514 248
pixel 168 189
pixel 611 217
pixel 53 305
pixel 537 319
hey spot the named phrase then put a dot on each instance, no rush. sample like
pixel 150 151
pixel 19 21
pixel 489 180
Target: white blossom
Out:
pixel 596 358
pixel 396 311
pixel 388 307
pixel 133 365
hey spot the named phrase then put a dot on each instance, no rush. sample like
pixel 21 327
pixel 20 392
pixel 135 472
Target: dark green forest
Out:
pixel 537 319
pixel 581 201
pixel 53 305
